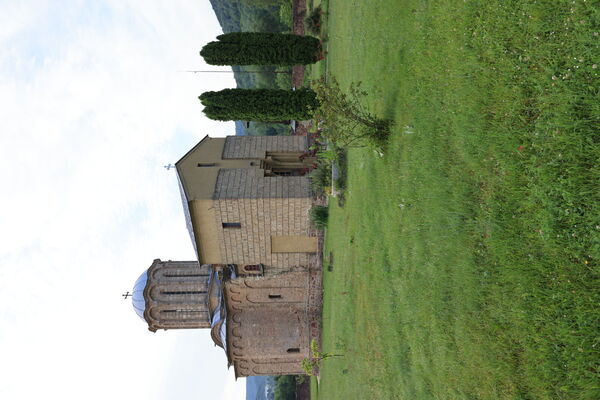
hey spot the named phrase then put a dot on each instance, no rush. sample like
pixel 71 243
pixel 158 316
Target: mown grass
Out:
pixel 465 261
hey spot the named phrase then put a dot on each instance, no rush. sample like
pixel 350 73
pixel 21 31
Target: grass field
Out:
pixel 465 260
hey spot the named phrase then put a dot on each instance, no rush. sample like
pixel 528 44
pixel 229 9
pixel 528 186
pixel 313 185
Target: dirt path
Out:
pixel 303 390
pixel 299 12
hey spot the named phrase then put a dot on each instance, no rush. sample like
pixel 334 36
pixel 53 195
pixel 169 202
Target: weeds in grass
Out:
pixel 319 215
pixel 341 161
pixel 475 270
pixel 286 14
pixel 313 21
pixel 320 178
pixel 345 121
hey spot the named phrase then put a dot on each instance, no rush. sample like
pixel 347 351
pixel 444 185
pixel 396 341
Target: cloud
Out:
pixel 93 105
pixel 234 389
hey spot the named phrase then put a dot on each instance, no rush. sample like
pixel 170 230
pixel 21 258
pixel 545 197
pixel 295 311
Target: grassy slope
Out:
pixel 465 261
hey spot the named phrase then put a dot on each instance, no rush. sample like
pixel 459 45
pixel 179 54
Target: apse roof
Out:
pixel 220 312
pixel 137 299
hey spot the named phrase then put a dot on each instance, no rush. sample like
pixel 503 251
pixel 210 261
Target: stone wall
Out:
pixel 236 183
pixel 254 147
pixel 265 207
pixel 260 219
pixel 268 323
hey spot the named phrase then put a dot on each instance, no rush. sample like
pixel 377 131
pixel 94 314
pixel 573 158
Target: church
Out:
pixel 256 283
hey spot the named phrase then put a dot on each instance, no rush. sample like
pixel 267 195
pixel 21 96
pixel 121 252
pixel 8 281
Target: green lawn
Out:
pixel 465 260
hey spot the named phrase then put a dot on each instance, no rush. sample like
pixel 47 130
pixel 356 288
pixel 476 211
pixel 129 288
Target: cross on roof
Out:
pixel 126 295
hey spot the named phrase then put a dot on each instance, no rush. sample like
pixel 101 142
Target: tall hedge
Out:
pixel 266 105
pixel 262 48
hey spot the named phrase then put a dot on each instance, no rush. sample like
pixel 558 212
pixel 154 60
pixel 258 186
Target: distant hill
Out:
pixel 260 388
pixel 239 16
pixel 228 14
pixel 247 16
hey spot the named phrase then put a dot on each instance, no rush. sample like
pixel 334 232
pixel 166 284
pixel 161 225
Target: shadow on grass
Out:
pixel 389 104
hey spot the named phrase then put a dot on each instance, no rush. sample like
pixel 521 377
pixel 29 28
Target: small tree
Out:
pixel 320 179
pixel 285 387
pixel 311 365
pixel 319 216
pixel 345 120
pixel 266 105
pixel 262 48
pixel 313 21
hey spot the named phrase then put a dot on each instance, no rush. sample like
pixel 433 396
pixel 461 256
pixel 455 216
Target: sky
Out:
pixel 92 106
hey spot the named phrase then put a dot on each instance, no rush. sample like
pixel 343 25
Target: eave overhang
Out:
pixel 185 199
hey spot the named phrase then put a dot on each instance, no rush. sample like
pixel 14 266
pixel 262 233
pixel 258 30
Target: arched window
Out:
pixel 183 292
pixel 182 275
pixel 182 310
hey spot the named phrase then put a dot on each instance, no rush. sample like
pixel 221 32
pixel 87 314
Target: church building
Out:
pixel 256 283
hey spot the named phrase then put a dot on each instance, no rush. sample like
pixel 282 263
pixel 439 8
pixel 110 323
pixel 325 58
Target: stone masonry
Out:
pixel 257 283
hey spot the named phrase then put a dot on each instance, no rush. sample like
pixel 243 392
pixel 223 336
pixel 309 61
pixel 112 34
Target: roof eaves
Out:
pixel 186 202
pixel 191 151
pixel 189 221
pixel 229 326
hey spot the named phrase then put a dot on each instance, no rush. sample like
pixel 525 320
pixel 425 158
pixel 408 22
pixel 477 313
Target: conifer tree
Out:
pixel 265 105
pixel 262 48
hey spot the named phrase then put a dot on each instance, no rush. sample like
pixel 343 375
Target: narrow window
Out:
pixel 293 350
pixel 206 164
pixel 181 311
pixel 231 225
pixel 274 296
pixel 252 267
pixel 184 275
pixel 183 292
pixel 284 172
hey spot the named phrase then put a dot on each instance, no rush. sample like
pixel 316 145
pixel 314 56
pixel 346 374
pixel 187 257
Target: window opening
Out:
pixel 206 164
pixel 284 172
pixel 232 225
pixel 252 267
pixel 184 275
pixel 274 296
pixel 293 350
pixel 183 292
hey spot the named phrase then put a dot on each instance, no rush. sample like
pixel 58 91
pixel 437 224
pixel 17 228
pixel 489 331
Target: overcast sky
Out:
pixel 91 107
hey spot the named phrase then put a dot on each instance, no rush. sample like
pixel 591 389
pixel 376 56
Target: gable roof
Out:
pixel 185 198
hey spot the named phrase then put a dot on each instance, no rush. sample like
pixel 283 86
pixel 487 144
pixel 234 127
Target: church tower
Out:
pixel 173 295
pixel 256 283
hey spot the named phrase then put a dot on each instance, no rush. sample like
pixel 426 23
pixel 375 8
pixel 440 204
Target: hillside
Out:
pixel 260 388
pixel 248 16
pixel 256 16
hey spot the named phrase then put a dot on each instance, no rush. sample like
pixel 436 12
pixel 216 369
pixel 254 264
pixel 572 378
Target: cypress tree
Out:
pixel 265 105
pixel 261 48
